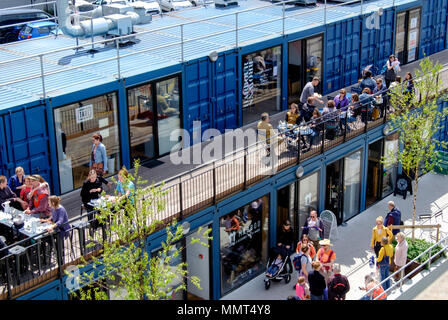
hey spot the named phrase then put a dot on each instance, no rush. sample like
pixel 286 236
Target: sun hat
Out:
pixel 325 242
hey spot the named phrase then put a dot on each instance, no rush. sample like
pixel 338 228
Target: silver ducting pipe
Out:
pixel 93 27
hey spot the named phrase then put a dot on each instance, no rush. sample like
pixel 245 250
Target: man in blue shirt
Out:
pixel 393 217
pixel 368 81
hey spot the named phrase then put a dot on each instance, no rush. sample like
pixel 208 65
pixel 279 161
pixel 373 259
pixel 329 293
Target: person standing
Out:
pixel 327 257
pixel 338 285
pixel 264 128
pixel 390 70
pixel 384 260
pixel 378 232
pixel 98 157
pixel 380 93
pixel 305 262
pixel 16 182
pixel 314 228
pixel 331 119
pixel 401 254
pixel 302 289
pixel 393 217
pixel 286 240
pixel 305 241
pixel 308 91
pixel 317 282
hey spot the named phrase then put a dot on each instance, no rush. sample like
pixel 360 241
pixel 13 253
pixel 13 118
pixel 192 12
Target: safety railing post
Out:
pixel 117 46
pixel 236 29
pixel 361 5
pixel 91 30
pixel 41 59
pixel 245 170
pixel 214 182
pixel 283 25
pixel 325 12
pixel 181 198
pixel 182 43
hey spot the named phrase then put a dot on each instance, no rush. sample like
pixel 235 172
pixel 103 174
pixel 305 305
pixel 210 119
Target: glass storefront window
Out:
pixel 75 124
pixel 244 243
pixel 308 197
pixel 352 184
pixel 150 134
pixel 141 122
pixel 168 113
pixel 314 58
pixel 261 83
pixel 390 171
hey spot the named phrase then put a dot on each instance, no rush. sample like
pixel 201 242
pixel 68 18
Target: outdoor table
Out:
pixel 27 231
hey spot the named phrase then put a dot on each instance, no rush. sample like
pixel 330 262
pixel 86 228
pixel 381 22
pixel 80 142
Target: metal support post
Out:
pixel 325 12
pixel 91 30
pixel 182 42
pixel 42 76
pixel 361 6
pixel 245 170
pixel 236 29
pixel 214 182
pixel 117 45
pixel 283 32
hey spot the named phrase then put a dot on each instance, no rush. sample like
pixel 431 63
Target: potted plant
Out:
pixel 415 248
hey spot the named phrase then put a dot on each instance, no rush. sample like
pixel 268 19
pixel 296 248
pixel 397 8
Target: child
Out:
pixel 396 65
pixel 275 266
pixel 302 289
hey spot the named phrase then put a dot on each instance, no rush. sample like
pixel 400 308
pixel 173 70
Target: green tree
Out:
pixel 418 118
pixel 124 259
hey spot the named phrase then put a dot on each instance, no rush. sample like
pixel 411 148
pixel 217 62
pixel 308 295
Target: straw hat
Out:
pixel 325 242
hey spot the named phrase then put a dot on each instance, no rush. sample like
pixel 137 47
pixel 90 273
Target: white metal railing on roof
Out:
pixel 235 28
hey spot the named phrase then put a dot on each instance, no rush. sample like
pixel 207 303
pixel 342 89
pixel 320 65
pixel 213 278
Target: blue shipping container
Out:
pixel 433 26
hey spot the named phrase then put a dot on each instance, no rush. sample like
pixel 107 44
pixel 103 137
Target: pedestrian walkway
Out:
pixel 353 246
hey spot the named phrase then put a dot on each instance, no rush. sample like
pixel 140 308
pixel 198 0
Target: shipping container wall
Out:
pixel 197 95
pixel 225 90
pixel 342 54
pixel 433 27
pixel 210 94
pixel 24 142
pixel 377 44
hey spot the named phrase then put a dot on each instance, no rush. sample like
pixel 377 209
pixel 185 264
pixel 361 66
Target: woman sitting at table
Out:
pixel 23 198
pixel 366 100
pixel 341 100
pixel 16 181
pixel 292 116
pixel 38 204
pixel 58 220
pixel 91 189
pixel 315 126
pixel 331 118
pixel 122 179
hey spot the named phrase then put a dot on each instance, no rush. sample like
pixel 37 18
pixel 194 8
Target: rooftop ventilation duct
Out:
pixel 118 20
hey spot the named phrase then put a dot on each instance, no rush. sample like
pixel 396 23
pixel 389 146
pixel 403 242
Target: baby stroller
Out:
pixel 282 272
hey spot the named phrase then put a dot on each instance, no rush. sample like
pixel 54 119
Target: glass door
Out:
pixel 400 37
pixel 352 185
pixel 374 170
pixel 314 60
pixel 333 200
pixel 413 35
pixel 295 70
pixel 308 197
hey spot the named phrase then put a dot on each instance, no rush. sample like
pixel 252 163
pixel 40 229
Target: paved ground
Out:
pixel 438 290
pixel 352 246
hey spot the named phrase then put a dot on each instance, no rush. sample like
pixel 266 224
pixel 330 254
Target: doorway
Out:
pixel 343 187
pixel 407 35
pixel 304 63
pixel 374 170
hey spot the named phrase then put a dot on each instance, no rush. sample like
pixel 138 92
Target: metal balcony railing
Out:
pixel 184 39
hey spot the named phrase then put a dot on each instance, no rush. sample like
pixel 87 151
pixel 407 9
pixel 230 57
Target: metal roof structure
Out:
pixel 51 66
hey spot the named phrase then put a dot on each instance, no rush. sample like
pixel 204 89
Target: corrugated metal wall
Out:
pixel 24 142
pixel 342 54
pixel 210 94
pixel 377 44
pixel 433 26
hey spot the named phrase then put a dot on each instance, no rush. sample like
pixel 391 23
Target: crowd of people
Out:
pixel 31 195
pixel 319 276
pixel 371 104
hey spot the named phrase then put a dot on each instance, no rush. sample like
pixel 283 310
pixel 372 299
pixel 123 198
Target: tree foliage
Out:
pixel 418 118
pixel 132 272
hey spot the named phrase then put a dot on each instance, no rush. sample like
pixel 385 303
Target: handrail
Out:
pixel 181 25
pixel 408 264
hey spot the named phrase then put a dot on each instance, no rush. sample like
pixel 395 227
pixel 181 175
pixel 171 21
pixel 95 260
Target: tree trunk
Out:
pixel 415 203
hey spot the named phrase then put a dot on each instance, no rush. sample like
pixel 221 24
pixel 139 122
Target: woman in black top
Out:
pixel 91 189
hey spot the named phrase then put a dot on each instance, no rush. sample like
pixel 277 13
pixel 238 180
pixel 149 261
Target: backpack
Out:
pixel 297 261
